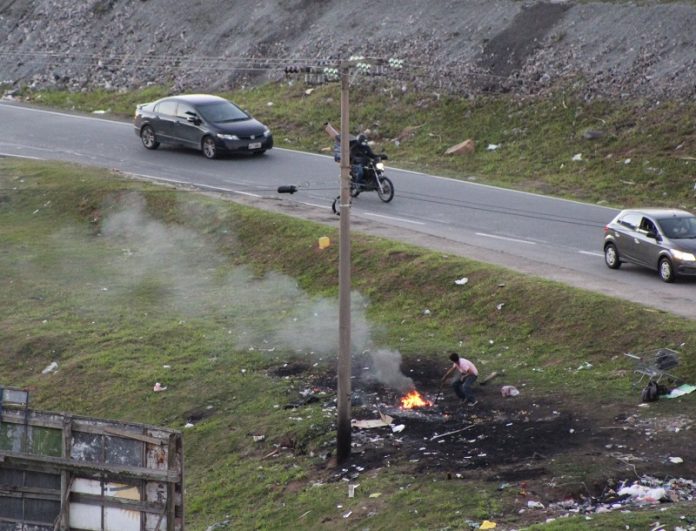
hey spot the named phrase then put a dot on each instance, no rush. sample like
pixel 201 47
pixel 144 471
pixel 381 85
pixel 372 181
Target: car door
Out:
pixel 187 126
pixel 648 243
pixel 163 121
pixel 626 236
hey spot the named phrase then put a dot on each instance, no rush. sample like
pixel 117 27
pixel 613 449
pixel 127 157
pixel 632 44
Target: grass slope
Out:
pixel 125 283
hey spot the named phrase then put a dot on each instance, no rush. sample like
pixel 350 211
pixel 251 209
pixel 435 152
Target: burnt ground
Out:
pixel 544 448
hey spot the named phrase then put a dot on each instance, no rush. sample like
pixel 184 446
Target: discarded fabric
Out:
pixel 384 420
pixel 509 390
pixel 683 389
pixel 158 387
pixel 50 368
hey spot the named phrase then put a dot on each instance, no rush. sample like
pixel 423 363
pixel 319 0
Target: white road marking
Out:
pixel 592 253
pixel 393 218
pixel 494 236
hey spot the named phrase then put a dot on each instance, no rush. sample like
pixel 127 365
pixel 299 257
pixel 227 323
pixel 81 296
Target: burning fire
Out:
pixel 413 400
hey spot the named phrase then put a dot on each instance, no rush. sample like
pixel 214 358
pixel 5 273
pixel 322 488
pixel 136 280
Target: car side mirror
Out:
pixel 192 117
pixel 653 235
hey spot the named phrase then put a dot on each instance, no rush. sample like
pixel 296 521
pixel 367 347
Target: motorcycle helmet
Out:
pixel 362 138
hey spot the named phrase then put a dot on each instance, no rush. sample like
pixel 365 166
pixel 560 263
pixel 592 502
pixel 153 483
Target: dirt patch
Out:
pixel 526 443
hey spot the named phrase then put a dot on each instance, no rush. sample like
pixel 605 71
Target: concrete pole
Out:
pixel 343 428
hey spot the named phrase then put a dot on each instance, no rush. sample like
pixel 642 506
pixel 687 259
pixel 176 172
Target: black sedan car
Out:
pixel 209 123
pixel 658 238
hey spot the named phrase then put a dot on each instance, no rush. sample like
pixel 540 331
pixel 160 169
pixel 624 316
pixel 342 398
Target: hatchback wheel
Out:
pixel 209 148
pixel 666 270
pixel 611 256
pixel 147 136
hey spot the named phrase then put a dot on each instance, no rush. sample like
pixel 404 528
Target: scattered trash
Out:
pixel 188 425
pixel 644 494
pixel 676 460
pixel 50 368
pixel 384 420
pixel 627 161
pixel 487 524
pixel 499 306
pixel 269 104
pixel 258 438
pixel 509 390
pixel 324 242
pixel 426 312
pixel 683 389
pixel 166 366
pixel 461 281
pixel 535 504
pixel 584 366
pixel 351 490
pixel 492 147
pixel 577 157
pixel 375 495
pixel 158 387
pixel 463 148
pixel 398 428
pixel 347 515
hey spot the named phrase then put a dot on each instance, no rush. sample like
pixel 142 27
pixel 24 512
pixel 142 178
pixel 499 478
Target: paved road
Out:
pixel 539 235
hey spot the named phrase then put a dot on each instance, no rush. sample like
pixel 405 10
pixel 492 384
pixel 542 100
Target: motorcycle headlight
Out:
pixel 225 136
pixel 684 257
pixel 380 166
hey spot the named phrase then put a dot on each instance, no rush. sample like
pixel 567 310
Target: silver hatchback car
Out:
pixel 658 238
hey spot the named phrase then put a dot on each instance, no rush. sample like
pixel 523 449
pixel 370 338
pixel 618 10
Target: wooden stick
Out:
pixel 451 432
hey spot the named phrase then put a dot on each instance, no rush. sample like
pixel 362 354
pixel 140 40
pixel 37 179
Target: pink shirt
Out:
pixel 464 366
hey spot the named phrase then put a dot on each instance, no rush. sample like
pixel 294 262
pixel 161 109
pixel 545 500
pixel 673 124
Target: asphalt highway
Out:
pixel 533 234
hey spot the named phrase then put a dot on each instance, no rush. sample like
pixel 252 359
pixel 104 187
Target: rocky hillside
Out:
pixel 615 49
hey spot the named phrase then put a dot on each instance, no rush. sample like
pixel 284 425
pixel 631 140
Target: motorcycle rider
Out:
pixel 360 154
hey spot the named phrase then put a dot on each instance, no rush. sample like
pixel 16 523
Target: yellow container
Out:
pixel 324 242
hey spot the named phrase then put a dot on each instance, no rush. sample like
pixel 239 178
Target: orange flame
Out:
pixel 414 399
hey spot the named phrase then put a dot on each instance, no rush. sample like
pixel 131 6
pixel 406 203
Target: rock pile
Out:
pixel 465 47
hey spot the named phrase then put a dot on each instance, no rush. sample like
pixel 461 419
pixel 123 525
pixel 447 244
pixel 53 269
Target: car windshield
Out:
pixel 222 111
pixel 679 227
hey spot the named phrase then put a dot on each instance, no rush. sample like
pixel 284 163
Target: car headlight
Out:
pixel 380 166
pixel 225 136
pixel 266 132
pixel 684 257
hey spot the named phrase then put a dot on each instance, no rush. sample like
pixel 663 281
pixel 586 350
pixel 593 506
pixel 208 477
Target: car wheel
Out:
pixel 148 138
pixel 209 148
pixel 666 270
pixel 611 256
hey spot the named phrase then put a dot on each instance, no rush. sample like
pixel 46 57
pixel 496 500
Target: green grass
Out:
pixel 116 279
pixel 645 154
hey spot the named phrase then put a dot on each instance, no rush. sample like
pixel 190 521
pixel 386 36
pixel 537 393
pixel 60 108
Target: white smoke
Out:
pixel 187 276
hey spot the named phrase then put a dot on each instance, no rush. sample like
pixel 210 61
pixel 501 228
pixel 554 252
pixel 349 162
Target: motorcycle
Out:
pixel 373 180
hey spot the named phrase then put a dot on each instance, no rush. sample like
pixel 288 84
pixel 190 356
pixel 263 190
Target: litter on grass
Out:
pixel 384 420
pixel 683 389
pixel 50 368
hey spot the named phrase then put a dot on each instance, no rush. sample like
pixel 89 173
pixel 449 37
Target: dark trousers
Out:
pixel 463 387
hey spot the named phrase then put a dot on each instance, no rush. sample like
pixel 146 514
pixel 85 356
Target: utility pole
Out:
pixel 343 428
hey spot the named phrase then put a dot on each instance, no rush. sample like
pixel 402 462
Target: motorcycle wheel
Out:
pixel 386 189
pixel 336 206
